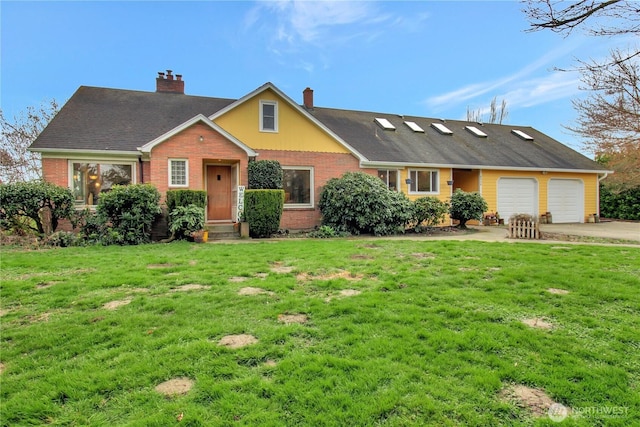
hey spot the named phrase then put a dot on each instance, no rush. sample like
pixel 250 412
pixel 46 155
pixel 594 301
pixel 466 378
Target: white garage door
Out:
pixel 517 195
pixel 565 200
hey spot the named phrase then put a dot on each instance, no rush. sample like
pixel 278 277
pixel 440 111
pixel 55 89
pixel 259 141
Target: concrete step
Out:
pixel 222 232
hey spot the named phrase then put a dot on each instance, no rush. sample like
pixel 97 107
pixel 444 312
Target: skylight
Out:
pixel 477 132
pixel 414 127
pixel 385 124
pixel 441 128
pixel 522 135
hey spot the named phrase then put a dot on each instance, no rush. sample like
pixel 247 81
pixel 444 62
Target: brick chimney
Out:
pixel 307 98
pixel 167 83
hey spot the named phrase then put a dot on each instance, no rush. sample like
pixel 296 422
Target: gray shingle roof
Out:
pixel 501 148
pixel 120 120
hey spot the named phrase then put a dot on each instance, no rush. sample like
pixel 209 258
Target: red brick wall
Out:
pixel 187 145
pixel 56 171
pixel 325 167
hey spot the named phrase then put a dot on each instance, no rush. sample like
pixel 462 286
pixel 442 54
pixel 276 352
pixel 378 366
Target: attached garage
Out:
pixel 565 200
pixel 517 195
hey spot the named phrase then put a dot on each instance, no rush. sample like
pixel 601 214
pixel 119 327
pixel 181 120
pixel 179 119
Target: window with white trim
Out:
pixel 297 183
pixel 268 116
pixel 178 173
pixel 90 179
pixel 423 181
pixel 390 178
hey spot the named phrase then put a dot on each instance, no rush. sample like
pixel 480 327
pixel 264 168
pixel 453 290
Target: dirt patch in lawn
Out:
pixel 341 274
pixel 44 285
pixel 344 293
pixel 113 305
pixel 2 368
pixel 237 341
pixel 423 255
pixel 538 322
pixel 253 291
pixel 557 291
pixel 238 279
pixel 293 318
pixel 278 267
pixel 361 256
pixel 532 399
pixel 176 386
pixel 189 287
pixel 270 363
pixel 3 312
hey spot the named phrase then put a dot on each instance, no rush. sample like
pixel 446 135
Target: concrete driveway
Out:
pixel 605 230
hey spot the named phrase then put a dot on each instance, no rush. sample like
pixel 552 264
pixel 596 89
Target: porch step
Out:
pixel 222 232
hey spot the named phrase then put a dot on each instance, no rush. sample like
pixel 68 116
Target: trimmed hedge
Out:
pixel 622 205
pixel 265 174
pixel 263 210
pixel 467 206
pixel 185 198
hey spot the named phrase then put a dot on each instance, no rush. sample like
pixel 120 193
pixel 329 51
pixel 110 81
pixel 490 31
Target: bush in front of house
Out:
pixel 44 203
pixel 184 220
pixel 624 204
pixel 358 203
pixel 263 210
pixel 467 206
pixel 185 198
pixel 127 212
pixel 265 174
pixel 429 211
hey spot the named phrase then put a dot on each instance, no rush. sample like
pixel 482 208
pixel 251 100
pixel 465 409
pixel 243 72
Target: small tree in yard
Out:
pixel 467 206
pixel 429 211
pixel 35 200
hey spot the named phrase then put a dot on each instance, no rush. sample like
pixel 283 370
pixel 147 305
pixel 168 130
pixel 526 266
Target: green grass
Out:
pixel 432 339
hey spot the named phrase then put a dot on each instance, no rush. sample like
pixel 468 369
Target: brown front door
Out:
pixel 219 193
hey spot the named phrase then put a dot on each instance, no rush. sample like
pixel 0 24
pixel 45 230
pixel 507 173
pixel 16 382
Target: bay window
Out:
pixel 89 180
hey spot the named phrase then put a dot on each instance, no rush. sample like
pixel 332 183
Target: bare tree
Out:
pixel 16 162
pixel 609 117
pixel 496 114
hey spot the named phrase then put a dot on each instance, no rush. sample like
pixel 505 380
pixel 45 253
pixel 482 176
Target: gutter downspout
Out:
pixel 600 178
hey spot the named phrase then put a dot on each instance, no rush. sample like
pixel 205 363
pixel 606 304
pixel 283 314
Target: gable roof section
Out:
pixel 197 119
pixel 115 120
pixel 500 149
pixel 293 105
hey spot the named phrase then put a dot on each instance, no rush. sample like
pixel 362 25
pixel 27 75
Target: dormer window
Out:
pixel 268 116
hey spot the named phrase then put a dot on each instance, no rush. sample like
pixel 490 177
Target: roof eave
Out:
pixel 372 164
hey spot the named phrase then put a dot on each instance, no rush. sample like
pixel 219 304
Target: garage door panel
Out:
pixel 517 195
pixel 565 200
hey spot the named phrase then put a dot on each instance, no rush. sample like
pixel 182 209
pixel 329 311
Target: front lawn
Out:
pixel 354 332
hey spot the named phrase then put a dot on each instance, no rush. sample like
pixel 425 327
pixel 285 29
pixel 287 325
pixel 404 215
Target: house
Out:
pixel 102 137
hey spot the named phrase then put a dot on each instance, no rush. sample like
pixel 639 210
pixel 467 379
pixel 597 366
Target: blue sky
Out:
pixel 423 58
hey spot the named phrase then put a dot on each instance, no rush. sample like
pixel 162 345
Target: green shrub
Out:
pixel 128 211
pixel 327 232
pixel 185 198
pixel 45 203
pixel 624 204
pixel 360 203
pixel 263 210
pixel 265 175
pixel 429 211
pixel 63 239
pixel 467 206
pixel 183 220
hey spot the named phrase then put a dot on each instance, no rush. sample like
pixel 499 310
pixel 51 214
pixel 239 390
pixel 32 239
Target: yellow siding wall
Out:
pixel 295 132
pixel 590 180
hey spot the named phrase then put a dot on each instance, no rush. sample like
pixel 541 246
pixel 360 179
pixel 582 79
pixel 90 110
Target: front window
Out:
pixel 178 173
pixel 268 116
pixel 390 178
pixel 297 184
pixel 89 180
pixel 423 181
